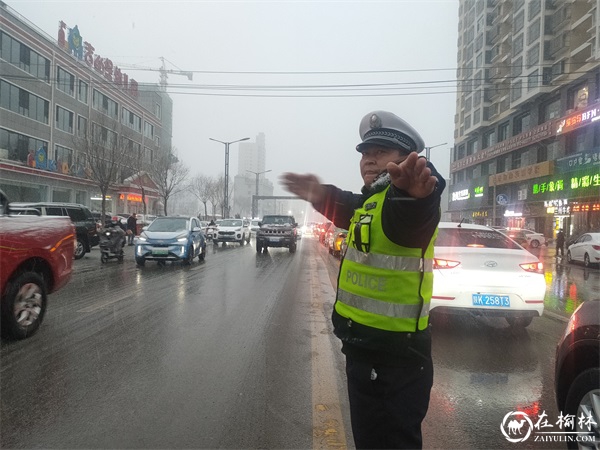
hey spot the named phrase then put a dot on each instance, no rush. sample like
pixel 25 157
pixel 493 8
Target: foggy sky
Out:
pixel 302 43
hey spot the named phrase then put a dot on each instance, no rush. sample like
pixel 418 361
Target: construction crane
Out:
pixel 164 74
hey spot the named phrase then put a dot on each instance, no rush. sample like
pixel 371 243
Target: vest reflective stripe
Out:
pixel 391 262
pixel 395 310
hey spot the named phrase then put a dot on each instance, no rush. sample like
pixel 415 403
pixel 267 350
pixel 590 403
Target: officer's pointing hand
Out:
pixel 307 187
pixel 413 176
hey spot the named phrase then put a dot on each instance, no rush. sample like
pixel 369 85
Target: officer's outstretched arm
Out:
pixel 307 187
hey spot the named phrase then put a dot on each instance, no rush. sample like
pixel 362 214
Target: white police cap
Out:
pixel 388 130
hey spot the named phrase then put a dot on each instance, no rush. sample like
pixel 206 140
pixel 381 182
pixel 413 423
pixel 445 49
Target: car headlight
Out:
pixel 182 239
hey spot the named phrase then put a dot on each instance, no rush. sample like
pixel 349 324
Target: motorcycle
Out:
pixel 211 232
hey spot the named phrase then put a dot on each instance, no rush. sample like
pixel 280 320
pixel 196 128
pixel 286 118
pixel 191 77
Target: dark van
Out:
pixel 81 216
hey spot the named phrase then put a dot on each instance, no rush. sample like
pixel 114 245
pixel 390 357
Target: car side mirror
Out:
pixel 144 228
pixel 295 224
pixel 260 224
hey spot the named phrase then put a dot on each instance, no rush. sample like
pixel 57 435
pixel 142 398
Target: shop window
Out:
pixel 551 110
pixel 578 97
pixel 521 123
pixel 503 130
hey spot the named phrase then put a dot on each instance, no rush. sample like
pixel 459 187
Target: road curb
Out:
pixel 555 316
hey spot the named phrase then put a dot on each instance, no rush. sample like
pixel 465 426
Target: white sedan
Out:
pixel 480 271
pixel 585 249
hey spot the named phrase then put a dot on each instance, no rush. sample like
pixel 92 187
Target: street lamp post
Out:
pixel 427 149
pixel 226 188
pixel 254 205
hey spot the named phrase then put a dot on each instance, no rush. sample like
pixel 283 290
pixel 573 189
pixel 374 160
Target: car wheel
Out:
pixel 586 260
pixel 202 254
pixel 23 306
pixel 140 261
pixel 569 258
pixel 535 243
pixel 583 398
pixel 293 248
pixel 79 249
pixel 189 259
pixel 519 322
pixel 103 258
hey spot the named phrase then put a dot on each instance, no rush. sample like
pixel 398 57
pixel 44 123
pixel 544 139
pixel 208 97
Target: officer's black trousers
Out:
pixel 388 403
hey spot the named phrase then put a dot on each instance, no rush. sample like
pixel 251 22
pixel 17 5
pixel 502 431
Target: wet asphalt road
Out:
pixel 237 352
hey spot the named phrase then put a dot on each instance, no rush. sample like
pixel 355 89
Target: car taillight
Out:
pixel 596 247
pixel 535 267
pixel 444 263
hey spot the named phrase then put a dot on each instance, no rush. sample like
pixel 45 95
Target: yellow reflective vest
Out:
pixel 381 284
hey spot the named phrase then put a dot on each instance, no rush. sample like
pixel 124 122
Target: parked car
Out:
pixel 254 226
pixel 480 271
pixel 145 219
pixel 527 238
pixel 335 241
pixel 85 224
pixel 577 369
pixel 585 249
pixel 233 230
pixel 36 257
pixel 171 238
pixel 97 215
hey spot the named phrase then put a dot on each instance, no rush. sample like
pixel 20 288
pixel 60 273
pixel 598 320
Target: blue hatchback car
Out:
pixel 171 238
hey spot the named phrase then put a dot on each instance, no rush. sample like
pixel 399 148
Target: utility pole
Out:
pixel 226 188
pixel 254 204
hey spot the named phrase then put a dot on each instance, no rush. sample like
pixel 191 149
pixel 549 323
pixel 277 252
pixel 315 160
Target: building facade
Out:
pixel 527 136
pixel 56 96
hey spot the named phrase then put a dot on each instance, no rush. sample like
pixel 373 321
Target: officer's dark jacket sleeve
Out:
pixel 339 205
pixel 405 222
pixel 411 223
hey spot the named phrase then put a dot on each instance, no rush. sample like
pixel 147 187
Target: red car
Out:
pixel 36 256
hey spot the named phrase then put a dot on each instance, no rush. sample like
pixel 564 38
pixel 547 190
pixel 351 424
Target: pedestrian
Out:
pixel 560 243
pixel 131 228
pixel 381 312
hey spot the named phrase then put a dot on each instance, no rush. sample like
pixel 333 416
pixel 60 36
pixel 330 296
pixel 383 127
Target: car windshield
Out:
pixel 169 224
pixel 255 223
pixel 277 220
pixel 231 223
pixel 476 238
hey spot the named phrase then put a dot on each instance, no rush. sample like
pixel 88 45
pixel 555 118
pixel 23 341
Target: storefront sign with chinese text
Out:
pixel 84 51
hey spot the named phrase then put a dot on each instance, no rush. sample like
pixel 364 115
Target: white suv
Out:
pixel 233 230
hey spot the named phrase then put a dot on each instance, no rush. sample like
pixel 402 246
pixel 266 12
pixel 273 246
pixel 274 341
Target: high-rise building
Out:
pixel 527 139
pixel 251 178
pixel 59 97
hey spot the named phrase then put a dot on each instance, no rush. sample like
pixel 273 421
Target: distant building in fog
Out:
pixel 251 166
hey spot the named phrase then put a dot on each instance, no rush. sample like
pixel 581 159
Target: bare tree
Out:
pixel 170 175
pixel 137 168
pixel 201 186
pixel 105 157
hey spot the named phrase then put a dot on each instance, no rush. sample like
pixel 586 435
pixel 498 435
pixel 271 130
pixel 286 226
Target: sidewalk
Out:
pixel 558 304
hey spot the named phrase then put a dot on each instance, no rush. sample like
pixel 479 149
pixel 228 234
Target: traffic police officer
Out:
pixel 385 282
